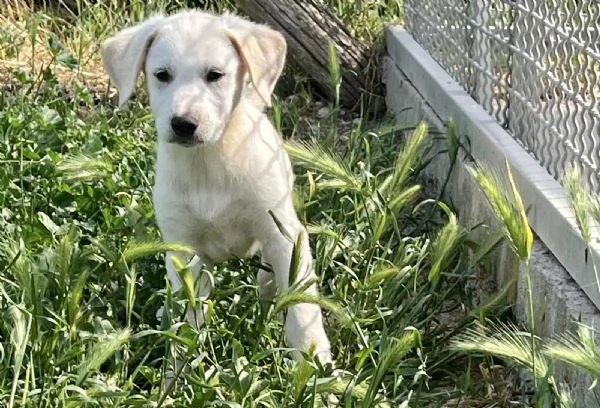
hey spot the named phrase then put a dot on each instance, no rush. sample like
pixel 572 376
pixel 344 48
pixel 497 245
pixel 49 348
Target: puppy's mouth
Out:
pixel 186 142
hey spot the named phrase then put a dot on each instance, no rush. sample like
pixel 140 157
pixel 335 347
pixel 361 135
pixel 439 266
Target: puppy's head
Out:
pixel 198 68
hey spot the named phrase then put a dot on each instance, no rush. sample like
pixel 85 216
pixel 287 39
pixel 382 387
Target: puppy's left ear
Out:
pixel 262 51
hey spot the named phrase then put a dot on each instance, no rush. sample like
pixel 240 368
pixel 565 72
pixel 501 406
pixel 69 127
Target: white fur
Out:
pixel 216 195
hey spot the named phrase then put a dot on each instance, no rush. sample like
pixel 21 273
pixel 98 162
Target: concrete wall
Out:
pixel 418 89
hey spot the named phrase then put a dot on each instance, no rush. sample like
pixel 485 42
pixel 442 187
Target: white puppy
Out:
pixel 221 166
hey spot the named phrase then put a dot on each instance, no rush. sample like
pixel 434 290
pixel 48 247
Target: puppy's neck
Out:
pixel 246 123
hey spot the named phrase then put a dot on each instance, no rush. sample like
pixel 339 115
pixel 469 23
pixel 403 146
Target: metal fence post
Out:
pixel 481 53
pixel 525 94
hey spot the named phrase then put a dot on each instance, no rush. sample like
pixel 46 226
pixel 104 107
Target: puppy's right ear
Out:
pixel 124 54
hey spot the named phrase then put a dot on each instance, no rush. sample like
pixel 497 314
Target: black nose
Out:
pixel 184 127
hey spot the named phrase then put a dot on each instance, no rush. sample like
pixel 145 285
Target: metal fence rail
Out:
pixel 534 65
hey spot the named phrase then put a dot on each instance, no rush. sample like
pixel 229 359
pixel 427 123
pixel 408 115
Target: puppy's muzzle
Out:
pixel 184 131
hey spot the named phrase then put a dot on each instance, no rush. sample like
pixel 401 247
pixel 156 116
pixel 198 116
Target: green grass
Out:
pixel 81 260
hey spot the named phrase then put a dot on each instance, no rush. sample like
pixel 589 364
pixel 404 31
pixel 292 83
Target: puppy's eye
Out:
pixel 163 75
pixel 213 75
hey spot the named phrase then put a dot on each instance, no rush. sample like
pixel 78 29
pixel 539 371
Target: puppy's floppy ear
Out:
pixel 262 51
pixel 124 55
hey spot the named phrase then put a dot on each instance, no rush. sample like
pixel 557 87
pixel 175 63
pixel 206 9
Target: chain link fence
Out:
pixel 534 65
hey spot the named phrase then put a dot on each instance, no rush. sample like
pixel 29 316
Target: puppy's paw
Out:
pixel 197 316
pixel 324 355
pixel 267 288
pixel 160 312
pixel 304 331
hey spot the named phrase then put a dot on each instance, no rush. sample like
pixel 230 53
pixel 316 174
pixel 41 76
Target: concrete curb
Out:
pixel 419 89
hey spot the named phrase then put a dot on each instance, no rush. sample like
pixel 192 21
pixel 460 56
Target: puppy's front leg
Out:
pixel 304 322
pixel 195 316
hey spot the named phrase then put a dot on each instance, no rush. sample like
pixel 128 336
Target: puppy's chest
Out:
pixel 195 190
pixel 213 206
pixel 222 225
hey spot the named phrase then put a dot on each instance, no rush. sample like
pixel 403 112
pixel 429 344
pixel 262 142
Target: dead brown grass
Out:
pixel 493 386
pixel 20 49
